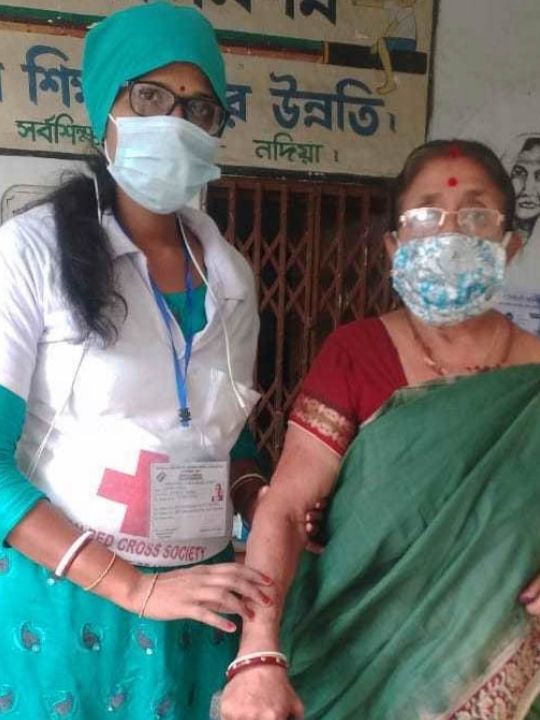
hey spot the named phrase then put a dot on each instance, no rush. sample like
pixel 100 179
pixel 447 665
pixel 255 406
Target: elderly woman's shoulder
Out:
pixel 363 332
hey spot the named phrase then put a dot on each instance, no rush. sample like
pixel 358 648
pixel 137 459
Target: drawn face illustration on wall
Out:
pixel 525 176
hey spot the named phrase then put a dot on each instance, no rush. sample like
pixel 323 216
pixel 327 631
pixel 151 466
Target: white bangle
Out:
pixel 73 550
pixel 257 655
pixel 245 478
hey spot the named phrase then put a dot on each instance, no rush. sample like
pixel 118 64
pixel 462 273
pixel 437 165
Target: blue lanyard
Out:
pixel 181 379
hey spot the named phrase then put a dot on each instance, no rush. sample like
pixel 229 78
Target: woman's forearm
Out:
pixel 305 474
pixel 274 547
pixel 45 534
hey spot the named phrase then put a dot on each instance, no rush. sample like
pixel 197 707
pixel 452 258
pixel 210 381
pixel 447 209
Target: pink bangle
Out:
pixel 267 659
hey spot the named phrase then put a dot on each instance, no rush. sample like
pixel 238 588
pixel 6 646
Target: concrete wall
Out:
pixel 487 88
pixel 487 68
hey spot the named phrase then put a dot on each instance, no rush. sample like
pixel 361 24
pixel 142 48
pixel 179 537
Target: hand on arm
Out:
pixel 35 528
pixel 249 486
pixel 200 593
pixel 305 473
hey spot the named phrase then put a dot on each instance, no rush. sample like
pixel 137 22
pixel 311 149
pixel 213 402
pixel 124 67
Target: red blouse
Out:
pixel 355 372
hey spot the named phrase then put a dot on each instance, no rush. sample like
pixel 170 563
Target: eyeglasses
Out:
pixel 424 221
pixel 150 98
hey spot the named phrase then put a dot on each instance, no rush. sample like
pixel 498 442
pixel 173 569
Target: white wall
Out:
pixel 23 179
pixel 487 88
pixel 487 68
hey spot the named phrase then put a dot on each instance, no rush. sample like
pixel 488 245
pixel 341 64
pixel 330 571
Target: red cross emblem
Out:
pixel 133 491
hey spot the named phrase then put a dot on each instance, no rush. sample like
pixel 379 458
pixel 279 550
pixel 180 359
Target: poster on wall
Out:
pixel 511 126
pixel 522 296
pixel 285 114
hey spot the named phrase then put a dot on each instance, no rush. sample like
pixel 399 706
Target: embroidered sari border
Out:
pixel 509 688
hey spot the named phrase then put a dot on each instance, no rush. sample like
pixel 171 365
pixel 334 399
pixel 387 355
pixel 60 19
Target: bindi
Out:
pixel 452 182
pixel 454 151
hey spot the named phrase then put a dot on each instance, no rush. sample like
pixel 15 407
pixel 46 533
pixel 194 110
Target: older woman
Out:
pixel 128 331
pixel 412 611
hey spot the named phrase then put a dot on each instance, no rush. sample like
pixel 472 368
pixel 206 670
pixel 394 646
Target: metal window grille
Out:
pixel 319 261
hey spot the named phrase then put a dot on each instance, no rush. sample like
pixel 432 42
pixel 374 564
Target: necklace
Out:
pixel 441 370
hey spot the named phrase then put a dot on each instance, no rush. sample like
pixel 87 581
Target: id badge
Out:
pixel 189 501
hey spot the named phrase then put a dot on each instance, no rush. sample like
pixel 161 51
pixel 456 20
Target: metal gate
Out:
pixel 317 253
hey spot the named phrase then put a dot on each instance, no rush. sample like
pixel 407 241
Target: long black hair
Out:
pixel 86 261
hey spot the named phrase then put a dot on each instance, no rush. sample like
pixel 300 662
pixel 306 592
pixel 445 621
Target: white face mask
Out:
pixel 162 161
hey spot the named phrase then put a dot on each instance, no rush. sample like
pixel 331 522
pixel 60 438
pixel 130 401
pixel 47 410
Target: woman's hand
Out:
pixel 315 527
pixel 530 597
pixel 258 693
pixel 314 522
pixel 201 592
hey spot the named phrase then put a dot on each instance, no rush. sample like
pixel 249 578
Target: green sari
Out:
pixel 411 612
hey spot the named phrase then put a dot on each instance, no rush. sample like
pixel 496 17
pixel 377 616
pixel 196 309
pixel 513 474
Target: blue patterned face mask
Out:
pixel 447 278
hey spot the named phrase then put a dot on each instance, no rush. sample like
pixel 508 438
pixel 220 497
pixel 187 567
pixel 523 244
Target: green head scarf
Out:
pixel 139 39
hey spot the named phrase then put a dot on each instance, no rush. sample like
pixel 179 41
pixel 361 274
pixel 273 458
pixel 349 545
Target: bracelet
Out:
pixel 148 594
pixel 245 478
pixel 262 653
pixel 102 575
pixel 71 553
pixel 256 659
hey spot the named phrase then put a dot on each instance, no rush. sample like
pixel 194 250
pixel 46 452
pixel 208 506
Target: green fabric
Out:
pixel 17 494
pixel 177 302
pixel 433 534
pixel 245 447
pixel 67 653
pixel 139 39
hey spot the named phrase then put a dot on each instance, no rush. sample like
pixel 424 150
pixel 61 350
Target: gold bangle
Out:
pixel 148 594
pixel 101 576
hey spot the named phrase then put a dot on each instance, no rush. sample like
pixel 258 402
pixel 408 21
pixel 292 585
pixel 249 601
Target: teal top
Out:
pixel 17 494
pixel 177 302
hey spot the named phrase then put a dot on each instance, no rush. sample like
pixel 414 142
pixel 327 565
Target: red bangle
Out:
pixel 236 667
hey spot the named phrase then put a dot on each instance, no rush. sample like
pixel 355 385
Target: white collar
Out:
pixel 225 268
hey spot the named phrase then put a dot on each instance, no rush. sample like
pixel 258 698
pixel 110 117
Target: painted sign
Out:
pixel 349 21
pixel 319 118
pixel 285 114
